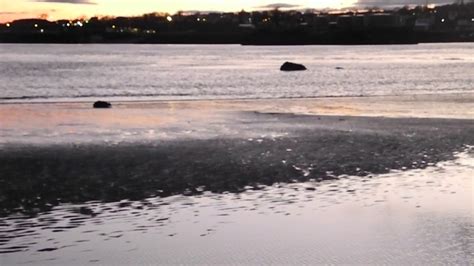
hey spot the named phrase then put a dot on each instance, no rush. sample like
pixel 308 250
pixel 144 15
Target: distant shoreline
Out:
pixel 403 25
pixel 258 41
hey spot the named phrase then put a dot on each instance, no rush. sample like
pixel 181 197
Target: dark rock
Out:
pixel 339 68
pixel 288 66
pixel 102 104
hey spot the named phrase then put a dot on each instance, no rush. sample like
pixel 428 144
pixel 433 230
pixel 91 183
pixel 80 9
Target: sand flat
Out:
pixel 301 181
pixel 77 121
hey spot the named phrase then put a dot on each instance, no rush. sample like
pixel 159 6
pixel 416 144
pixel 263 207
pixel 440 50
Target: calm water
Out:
pixel 418 217
pixel 81 72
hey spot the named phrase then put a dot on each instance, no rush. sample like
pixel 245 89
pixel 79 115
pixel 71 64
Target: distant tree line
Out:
pixel 403 25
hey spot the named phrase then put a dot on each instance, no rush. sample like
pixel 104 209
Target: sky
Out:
pixel 70 9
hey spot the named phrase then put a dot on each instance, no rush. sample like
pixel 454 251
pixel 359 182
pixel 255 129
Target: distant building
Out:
pixel 358 22
pixel 32 26
pixel 465 24
pixel 321 23
pixel 344 22
pixel 424 24
pixel 382 20
pixel 371 20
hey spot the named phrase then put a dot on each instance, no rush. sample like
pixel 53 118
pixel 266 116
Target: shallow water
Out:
pixel 422 216
pixel 81 72
pixel 136 121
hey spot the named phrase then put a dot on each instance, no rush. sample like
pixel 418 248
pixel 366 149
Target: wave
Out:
pixel 36 97
pixel 190 96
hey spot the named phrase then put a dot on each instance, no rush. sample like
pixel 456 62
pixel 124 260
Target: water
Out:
pixel 131 72
pixel 421 217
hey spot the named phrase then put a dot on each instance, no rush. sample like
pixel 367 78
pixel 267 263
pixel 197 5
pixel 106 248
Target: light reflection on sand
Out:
pixel 420 216
pixel 160 120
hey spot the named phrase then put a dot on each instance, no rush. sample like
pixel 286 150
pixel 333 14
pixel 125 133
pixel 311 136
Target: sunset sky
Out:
pixel 58 9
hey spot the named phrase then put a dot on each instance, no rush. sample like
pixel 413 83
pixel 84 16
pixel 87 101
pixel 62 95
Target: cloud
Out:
pixel 12 13
pixel 277 6
pixel 397 3
pixel 80 2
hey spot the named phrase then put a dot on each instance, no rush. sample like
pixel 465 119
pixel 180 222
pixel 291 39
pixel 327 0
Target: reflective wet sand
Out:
pixel 238 182
pixel 72 122
pixel 412 217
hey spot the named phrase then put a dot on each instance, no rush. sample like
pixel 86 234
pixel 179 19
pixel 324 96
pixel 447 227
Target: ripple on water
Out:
pixel 404 195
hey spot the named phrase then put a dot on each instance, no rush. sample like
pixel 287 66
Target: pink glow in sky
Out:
pixel 69 9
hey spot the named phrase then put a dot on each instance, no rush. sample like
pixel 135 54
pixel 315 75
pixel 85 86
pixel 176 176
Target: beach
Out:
pixel 212 155
pixel 383 179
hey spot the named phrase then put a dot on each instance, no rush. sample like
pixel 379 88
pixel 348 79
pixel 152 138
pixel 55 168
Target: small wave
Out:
pixel 24 97
pixel 36 97
pixel 185 96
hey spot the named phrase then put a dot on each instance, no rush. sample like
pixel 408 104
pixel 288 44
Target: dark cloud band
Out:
pixel 12 13
pixel 278 5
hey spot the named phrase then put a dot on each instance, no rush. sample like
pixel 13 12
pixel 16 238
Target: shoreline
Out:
pixel 201 179
pixel 74 152
pixel 448 105
pixel 151 98
pixel 252 149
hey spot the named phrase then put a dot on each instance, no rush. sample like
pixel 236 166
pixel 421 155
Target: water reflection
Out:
pixel 400 217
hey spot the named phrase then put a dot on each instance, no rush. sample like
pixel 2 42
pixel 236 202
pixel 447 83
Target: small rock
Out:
pixel 289 66
pixel 102 104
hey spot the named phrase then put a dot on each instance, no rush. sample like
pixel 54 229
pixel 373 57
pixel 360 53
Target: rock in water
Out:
pixel 288 66
pixel 102 104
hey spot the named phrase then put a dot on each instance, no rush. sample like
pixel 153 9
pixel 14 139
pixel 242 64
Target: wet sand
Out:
pixel 421 216
pixel 53 155
pixel 294 148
